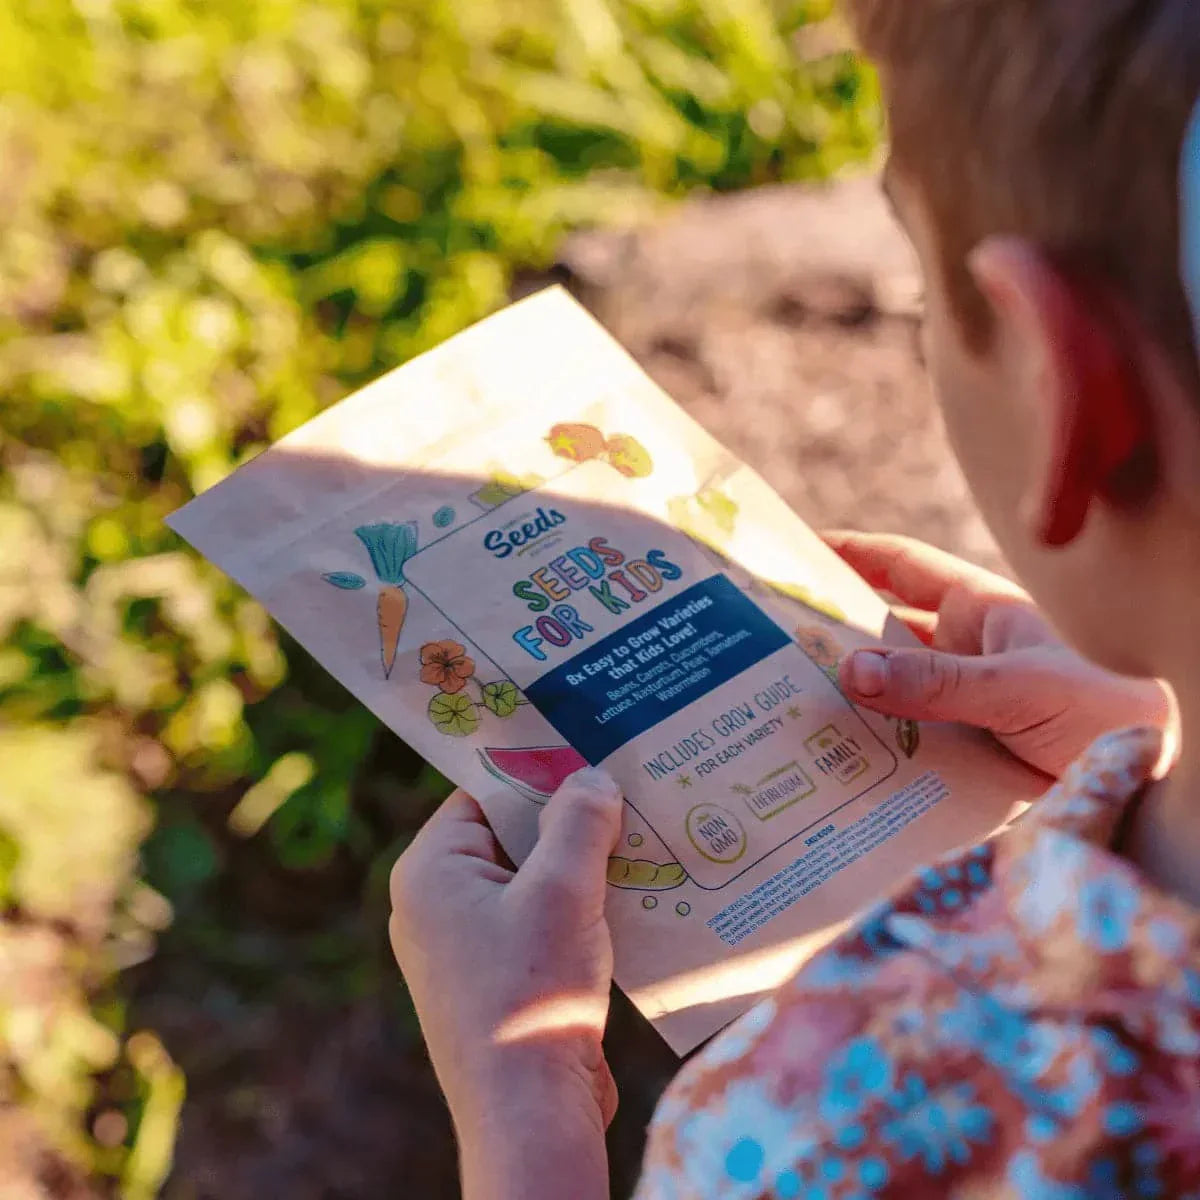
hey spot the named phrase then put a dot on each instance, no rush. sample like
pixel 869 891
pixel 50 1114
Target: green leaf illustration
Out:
pixel 908 737
pixel 720 508
pixel 390 545
pixel 454 715
pixel 346 580
pixel 493 494
pixel 502 486
pixel 501 697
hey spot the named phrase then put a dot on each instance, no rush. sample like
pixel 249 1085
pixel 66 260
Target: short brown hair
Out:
pixel 1058 120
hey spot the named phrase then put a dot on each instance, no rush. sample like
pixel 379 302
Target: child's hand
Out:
pixel 510 974
pixel 994 661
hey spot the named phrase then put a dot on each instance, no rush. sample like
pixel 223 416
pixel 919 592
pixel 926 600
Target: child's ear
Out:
pixel 1074 348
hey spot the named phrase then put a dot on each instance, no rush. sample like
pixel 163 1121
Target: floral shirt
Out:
pixel 1021 1020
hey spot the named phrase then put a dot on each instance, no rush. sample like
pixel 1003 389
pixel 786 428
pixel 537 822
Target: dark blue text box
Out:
pixel 598 714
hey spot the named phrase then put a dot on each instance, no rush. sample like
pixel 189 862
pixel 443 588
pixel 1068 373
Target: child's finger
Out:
pixel 918 575
pixel 456 833
pixel 459 827
pixel 926 685
pixel 578 830
pixel 457 810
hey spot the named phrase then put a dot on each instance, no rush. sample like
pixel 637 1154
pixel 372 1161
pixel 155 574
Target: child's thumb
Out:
pixel 579 828
pixel 923 685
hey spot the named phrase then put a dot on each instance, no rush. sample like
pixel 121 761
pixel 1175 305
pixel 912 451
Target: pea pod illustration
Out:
pixel 641 875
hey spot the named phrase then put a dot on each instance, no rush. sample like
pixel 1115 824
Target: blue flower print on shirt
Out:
pixel 1191 986
pixel 744 1162
pixel 1054 870
pixel 1103 1177
pixel 1054 1109
pixel 736 1041
pixel 1166 936
pixel 832 971
pixel 947 889
pixel 938 1128
pixel 1147 1176
pixel 787 1185
pixel 860 1074
pixel 873 1173
pixel 912 1022
pixel 1041 1127
pixel 850 1137
pixel 1022 1048
pixel 742 1137
pixel 1122 1119
pixel 952 948
pixel 1119 1059
pixel 1107 907
pixel 875 933
pixel 1137 1178
pixel 1025 1175
pixel 979 867
pixel 978 1022
pixel 1175 1033
pixel 986 951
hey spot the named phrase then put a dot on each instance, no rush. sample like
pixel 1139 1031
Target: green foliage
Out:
pixel 390 547
pixel 214 218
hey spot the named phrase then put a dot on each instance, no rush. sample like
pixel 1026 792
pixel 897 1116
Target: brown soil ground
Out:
pixel 785 321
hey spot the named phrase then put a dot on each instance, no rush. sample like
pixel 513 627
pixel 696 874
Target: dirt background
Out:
pixel 785 321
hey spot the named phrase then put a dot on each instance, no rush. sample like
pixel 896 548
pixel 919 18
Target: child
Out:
pixel 1024 1019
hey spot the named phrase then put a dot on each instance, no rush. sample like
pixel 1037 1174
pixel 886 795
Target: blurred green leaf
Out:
pixel 181 857
pixel 162 1088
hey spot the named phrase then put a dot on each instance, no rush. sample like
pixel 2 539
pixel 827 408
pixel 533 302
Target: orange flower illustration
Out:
pixel 447 665
pixel 818 645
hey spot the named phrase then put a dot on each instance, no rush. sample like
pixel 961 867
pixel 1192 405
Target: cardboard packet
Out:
pixel 525 558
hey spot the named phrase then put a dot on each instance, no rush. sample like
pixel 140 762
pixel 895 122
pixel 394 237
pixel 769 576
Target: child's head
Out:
pixel 1035 161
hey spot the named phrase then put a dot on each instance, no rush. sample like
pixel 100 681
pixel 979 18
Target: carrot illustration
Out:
pixel 392 607
pixel 390 546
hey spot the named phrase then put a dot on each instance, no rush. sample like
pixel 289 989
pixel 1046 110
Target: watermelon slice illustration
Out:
pixel 534 771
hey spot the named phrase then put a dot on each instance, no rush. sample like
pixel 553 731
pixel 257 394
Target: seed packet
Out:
pixel 524 558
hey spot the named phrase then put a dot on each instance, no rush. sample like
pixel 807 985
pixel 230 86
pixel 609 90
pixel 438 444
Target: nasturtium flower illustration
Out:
pixel 576 441
pixel 446 665
pixel 818 645
pixel 629 456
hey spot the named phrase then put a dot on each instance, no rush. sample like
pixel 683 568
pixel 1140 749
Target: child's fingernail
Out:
pixel 868 672
pixel 595 780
